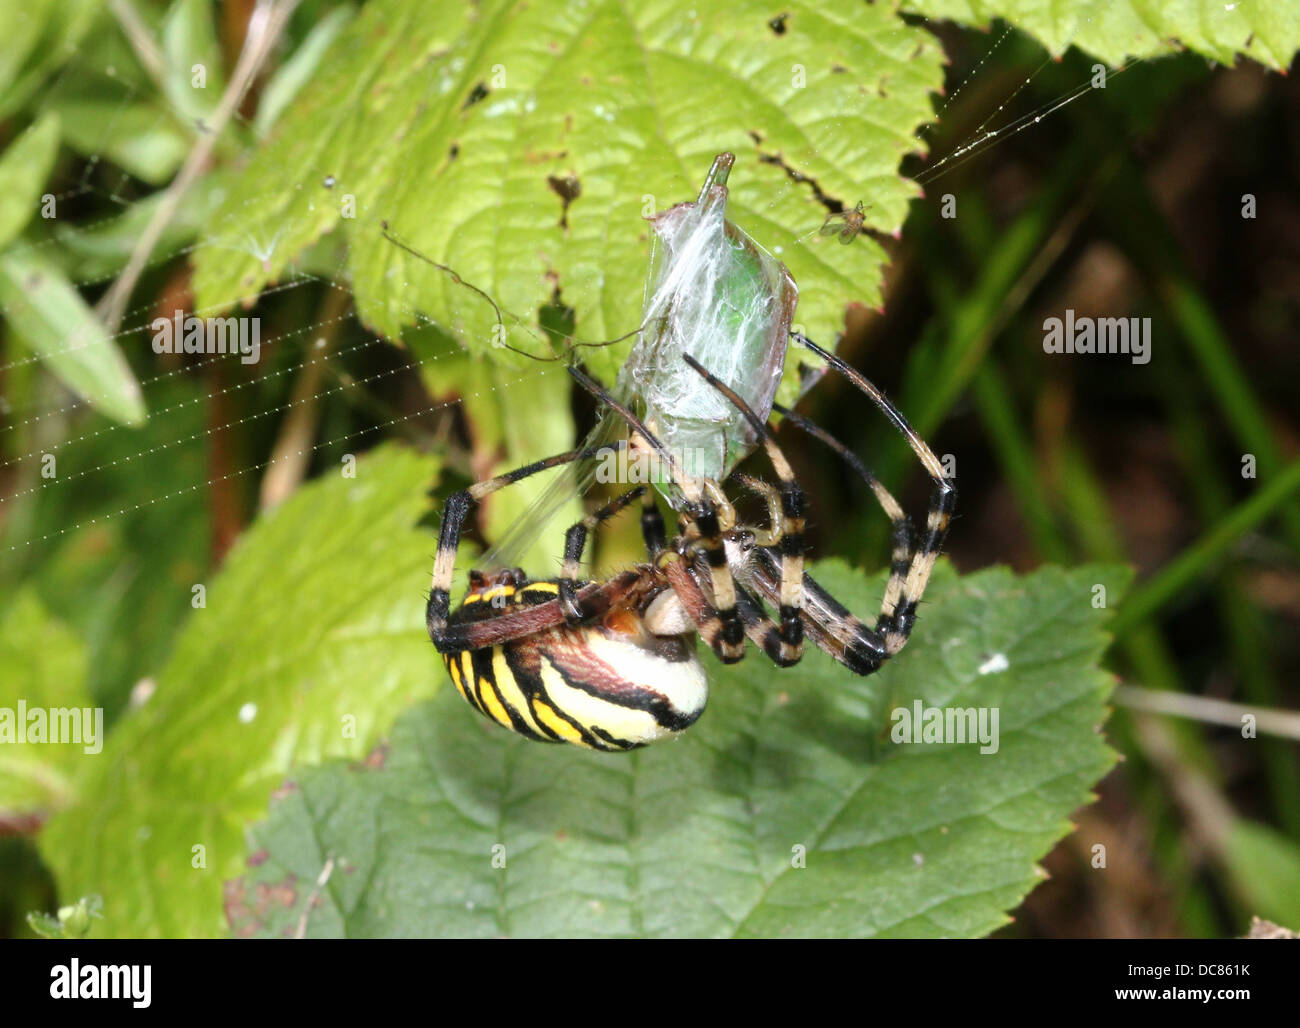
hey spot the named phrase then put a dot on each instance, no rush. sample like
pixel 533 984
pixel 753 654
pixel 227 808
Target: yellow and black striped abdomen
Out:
pixel 610 685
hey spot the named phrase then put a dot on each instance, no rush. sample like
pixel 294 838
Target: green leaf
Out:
pixel 298 70
pixel 24 167
pixel 111 109
pixel 140 137
pixel 513 419
pixel 49 315
pixel 72 922
pixel 44 667
pixel 44 925
pixel 1119 29
pixel 38 36
pixel 111 574
pixel 702 837
pixel 451 123
pixel 1266 867
pixel 311 639
pixel 189 38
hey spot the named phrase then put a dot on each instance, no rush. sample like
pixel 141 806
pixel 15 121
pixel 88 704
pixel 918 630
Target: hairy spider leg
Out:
pixel 704 504
pixel 575 541
pixel 943 500
pixel 900 525
pixel 771 535
pixel 652 527
pixel 828 623
pixel 758 626
pixel 595 597
pixel 785 645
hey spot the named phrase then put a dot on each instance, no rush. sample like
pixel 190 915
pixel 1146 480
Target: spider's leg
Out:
pixel 729 643
pixel 692 595
pixel 601 394
pixel 705 501
pixel 652 527
pixel 943 499
pixel 771 535
pixel 575 540
pixel 828 622
pixel 454 513
pixel 758 626
pixel 791 523
pixel 902 527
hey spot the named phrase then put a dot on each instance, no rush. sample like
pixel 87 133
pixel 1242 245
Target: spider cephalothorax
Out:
pixel 611 665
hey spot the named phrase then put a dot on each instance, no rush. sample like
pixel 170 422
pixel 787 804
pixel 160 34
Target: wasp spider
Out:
pixel 612 665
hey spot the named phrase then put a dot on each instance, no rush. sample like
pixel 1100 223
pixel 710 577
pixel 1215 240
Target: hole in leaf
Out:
pixel 568 189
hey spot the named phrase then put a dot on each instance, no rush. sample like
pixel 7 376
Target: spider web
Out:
pixel 295 355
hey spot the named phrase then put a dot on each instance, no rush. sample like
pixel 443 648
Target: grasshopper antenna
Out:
pixel 570 344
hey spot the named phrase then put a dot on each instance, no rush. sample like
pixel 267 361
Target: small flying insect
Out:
pixel 845 224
